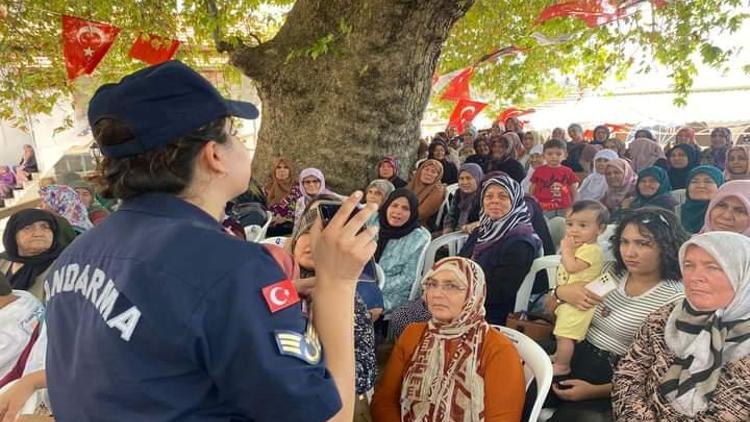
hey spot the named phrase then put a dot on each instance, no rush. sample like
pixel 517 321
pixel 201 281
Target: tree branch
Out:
pixel 221 45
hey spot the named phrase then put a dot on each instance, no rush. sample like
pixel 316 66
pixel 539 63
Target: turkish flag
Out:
pixel 513 112
pixel 465 112
pixel 458 88
pixel 85 44
pixel 153 49
pixel 280 295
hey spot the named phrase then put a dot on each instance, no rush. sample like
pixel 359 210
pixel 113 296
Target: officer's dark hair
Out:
pixel 602 213
pixel 167 169
pixel 555 143
pixel 664 230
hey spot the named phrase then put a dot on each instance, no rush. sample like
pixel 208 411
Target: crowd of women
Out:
pixel 671 342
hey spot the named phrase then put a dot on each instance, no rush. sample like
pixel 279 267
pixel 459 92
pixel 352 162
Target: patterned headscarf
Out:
pixel 745 149
pixel 393 163
pixel 739 189
pixel 277 190
pixel 64 201
pixel 429 393
pixel 616 194
pixel 703 342
pixel 516 221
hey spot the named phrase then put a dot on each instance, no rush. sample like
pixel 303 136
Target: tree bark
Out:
pixel 361 100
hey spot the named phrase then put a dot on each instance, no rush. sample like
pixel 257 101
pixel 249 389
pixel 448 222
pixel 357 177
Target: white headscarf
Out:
pixel 594 186
pixel 696 338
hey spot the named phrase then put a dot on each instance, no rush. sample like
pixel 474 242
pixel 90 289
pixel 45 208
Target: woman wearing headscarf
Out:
pixel 282 194
pixel 7 182
pixel 529 139
pixel 388 170
pixel 311 184
pixel 536 159
pixel 594 186
pixel 439 152
pixel 85 190
pixel 429 190
pixel 601 134
pixel 703 185
pixel 729 210
pixel 587 159
pixel 653 190
pixel 27 165
pixel 481 153
pixel 377 192
pixel 504 245
pixel 503 156
pixel 716 154
pixel 685 136
pixel 690 360
pixel 682 158
pixel 738 163
pixel 300 245
pixel 644 152
pixel 401 243
pixel 454 367
pixel 620 184
pixel 64 201
pixel 465 201
pixel 32 241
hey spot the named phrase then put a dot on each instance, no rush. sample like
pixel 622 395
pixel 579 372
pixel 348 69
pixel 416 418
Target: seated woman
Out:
pixel 738 163
pixel 401 242
pixel 455 367
pixel 703 184
pixel 429 190
pixel 620 186
pixel 681 159
pixel 300 245
pixel 282 194
pixel 388 170
pixel 653 190
pixel 439 151
pixel 481 152
pixel 536 160
pixel 32 241
pixel 504 245
pixel 311 183
pixel 646 272
pixel 729 210
pixel 644 152
pixel 27 165
pixel 594 186
pixel 503 156
pixel 716 154
pixel 617 146
pixel 377 192
pixel 685 136
pixel 465 200
pixel 85 190
pixel 690 360
pixel 7 182
pixel 62 200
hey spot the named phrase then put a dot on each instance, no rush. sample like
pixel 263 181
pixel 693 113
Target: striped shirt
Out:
pixel 619 317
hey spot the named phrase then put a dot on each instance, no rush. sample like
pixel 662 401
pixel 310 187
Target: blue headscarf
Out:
pixel 693 212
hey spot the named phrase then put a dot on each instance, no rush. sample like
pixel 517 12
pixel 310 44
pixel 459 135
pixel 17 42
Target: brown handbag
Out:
pixel 538 327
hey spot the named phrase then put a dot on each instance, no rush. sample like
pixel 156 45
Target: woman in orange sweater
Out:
pixel 429 189
pixel 454 367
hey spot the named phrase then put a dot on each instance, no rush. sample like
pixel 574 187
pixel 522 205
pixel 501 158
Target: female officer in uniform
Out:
pixel 156 314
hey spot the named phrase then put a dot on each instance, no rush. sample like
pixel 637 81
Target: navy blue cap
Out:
pixel 160 104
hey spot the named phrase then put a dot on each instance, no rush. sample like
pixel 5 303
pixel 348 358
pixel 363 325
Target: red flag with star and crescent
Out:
pixel 85 44
pixel 465 112
pixel 458 88
pixel 153 49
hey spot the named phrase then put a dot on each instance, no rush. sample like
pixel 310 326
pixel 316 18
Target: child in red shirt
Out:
pixel 553 185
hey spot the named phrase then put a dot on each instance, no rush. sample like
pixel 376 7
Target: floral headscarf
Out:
pixel 64 201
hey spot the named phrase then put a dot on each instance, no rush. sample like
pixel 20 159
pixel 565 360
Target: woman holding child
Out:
pixel 646 277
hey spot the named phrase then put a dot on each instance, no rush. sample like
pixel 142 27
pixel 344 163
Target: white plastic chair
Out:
pixel 256 233
pixel 380 274
pixel 548 263
pixel 606 245
pixel 276 240
pixel 450 191
pixel 536 366
pixel 680 195
pixel 454 241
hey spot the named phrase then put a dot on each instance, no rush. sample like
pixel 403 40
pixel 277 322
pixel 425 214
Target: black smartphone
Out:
pixel 327 209
pixel 562 386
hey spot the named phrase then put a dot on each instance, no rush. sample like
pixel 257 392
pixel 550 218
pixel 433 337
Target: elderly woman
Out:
pixel 429 190
pixel 601 134
pixel 681 159
pixel 481 152
pixel 65 202
pixel 377 191
pixel 729 209
pixel 690 361
pixel 465 201
pixel 594 186
pixel 388 170
pixel 454 367
pixel 439 152
pixel 716 154
pixel 646 275
pixel 703 184
pixel 504 245
pixel 32 242
pixel 85 190
pixel 653 190
pixel 621 181
pixel 738 163
pixel 312 182
pixel 503 156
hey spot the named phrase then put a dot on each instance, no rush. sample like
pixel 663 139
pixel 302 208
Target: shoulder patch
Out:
pixel 305 348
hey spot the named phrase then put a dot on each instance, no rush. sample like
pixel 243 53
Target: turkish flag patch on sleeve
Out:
pixel 280 295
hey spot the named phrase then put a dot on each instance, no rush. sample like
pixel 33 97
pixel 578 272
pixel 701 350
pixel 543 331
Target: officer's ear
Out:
pixel 213 158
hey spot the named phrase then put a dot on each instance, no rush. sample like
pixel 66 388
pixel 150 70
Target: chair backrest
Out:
pixel 606 245
pixel 680 195
pixel 548 263
pixel 415 287
pixel 450 191
pixel 276 240
pixel 536 366
pixel 454 241
pixel 380 274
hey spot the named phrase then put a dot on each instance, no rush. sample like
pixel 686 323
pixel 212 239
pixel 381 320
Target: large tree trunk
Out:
pixel 364 99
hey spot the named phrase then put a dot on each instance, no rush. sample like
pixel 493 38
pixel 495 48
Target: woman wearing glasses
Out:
pixel 311 183
pixel 439 370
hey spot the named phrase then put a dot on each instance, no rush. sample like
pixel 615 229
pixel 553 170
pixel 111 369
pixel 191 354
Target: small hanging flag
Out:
pixel 513 112
pixel 458 88
pixel 153 49
pixel 465 112
pixel 85 44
